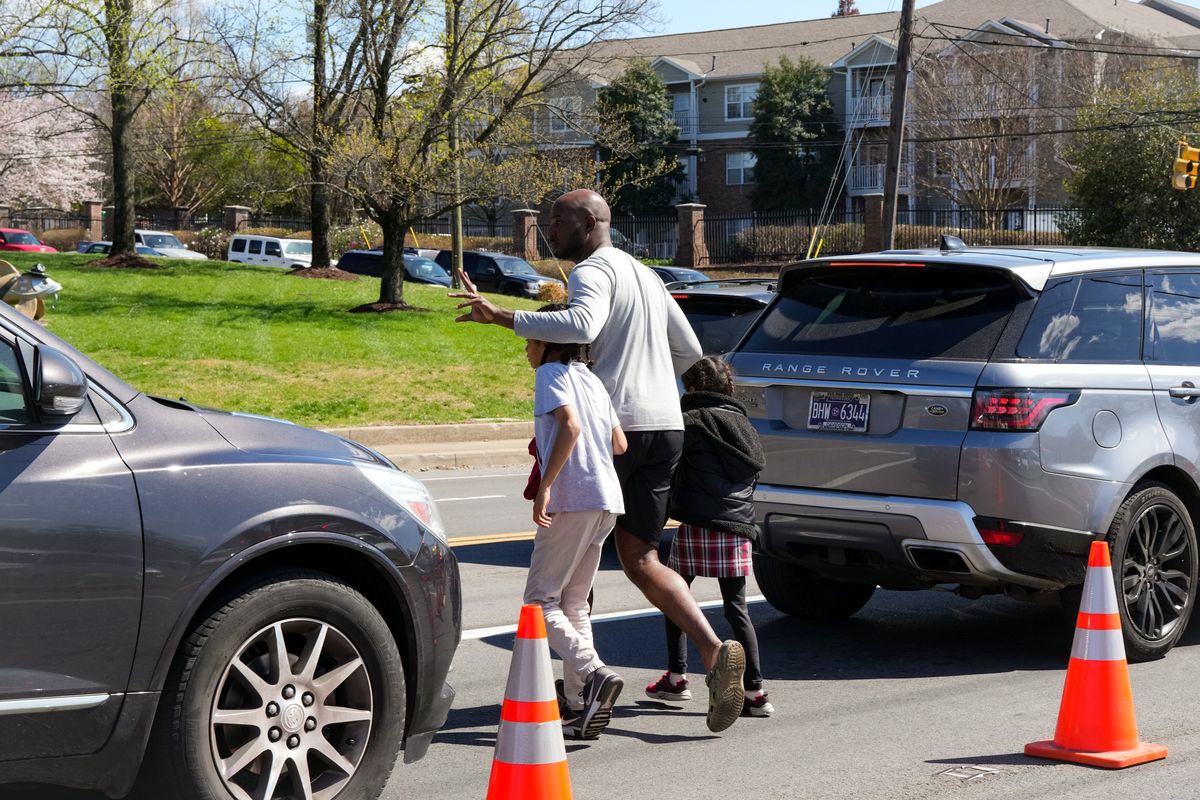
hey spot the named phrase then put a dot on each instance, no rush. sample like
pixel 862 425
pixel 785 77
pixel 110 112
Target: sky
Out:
pixel 681 16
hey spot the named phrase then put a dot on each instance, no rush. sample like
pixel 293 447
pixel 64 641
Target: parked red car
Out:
pixel 23 241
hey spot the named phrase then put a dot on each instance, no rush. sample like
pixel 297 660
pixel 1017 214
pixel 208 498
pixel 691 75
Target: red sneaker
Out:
pixel 663 689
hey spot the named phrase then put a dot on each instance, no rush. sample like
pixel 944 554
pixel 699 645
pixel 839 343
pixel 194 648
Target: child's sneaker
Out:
pixel 663 689
pixel 758 707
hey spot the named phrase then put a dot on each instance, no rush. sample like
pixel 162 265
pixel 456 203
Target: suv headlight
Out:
pixel 408 493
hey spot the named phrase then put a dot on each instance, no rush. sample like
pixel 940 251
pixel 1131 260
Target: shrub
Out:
pixel 212 242
pixel 552 293
pixel 64 239
pixel 282 233
pixel 791 242
pixel 361 236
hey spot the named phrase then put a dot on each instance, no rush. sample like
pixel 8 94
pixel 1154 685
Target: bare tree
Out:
pixel 104 59
pixel 500 59
pixel 979 107
pixel 270 74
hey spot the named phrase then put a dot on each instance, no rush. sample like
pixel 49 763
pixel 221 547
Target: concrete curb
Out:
pixel 490 443
pixel 378 436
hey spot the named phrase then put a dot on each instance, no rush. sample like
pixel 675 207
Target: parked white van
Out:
pixel 270 251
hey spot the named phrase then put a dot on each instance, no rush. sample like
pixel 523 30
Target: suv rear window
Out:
pixel 891 312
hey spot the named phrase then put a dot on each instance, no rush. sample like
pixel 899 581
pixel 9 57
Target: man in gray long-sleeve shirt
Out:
pixel 640 341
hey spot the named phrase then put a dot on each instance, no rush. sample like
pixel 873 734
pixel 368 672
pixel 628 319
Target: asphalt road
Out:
pixel 919 695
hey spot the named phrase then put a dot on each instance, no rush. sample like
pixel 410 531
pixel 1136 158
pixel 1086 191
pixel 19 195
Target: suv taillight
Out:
pixel 1016 409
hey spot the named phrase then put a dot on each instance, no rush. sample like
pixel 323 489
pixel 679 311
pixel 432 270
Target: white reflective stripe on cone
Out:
pixel 1105 645
pixel 530 743
pixel 1099 593
pixel 531 678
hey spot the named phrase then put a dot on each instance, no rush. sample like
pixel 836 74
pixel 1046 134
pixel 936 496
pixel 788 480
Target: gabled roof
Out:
pixel 831 41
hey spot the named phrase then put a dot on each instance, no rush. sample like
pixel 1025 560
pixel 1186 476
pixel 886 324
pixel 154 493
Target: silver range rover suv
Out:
pixel 977 417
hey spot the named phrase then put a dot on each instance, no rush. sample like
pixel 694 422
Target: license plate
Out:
pixel 839 411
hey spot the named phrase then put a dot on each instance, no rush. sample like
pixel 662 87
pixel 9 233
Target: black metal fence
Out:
pixel 782 236
pixel 1038 225
pixel 40 220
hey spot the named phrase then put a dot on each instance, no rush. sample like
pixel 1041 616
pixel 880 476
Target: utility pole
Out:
pixel 891 176
pixel 456 230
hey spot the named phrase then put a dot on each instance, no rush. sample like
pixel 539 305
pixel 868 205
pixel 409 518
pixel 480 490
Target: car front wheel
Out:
pixel 1155 569
pixel 796 591
pixel 292 689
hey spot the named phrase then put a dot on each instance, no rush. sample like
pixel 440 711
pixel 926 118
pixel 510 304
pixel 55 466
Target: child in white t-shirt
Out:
pixel 575 507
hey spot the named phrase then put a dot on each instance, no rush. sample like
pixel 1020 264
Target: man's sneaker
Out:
pixel 758 707
pixel 572 726
pixel 564 708
pixel 663 689
pixel 599 694
pixel 725 694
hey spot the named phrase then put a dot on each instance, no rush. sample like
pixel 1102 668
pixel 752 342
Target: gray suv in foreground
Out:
pixel 977 417
pixel 278 605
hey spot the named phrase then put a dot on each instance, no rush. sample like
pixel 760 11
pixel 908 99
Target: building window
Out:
pixel 739 99
pixel 564 113
pixel 739 168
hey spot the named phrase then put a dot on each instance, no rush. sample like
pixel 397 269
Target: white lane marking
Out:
pixel 500 630
pixel 472 477
pixel 476 497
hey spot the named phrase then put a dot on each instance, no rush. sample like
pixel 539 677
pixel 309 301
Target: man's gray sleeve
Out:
pixel 590 289
pixel 685 347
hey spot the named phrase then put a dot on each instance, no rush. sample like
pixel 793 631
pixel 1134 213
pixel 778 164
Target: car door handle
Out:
pixel 1187 391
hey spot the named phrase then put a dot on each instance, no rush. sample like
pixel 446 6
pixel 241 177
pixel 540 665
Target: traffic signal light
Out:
pixel 1187 164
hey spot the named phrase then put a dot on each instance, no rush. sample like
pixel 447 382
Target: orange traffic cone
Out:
pixel 530 761
pixel 1095 721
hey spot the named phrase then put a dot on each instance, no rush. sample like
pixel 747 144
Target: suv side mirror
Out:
pixel 60 387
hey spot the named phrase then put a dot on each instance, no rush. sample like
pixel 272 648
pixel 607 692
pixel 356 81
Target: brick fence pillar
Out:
pixel 93 216
pixel 525 233
pixel 691 250
pixel 872 223
pixel 5 216
pixel 236 218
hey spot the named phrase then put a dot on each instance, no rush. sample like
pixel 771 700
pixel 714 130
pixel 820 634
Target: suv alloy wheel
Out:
pixel 1155 569
pixel 294 687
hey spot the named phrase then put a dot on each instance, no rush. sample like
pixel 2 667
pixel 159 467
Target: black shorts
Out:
pixel 645 470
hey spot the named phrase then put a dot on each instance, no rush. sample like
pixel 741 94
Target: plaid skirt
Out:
pixel 709 554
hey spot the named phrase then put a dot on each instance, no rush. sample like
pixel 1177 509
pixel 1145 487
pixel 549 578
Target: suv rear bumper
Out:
pixel 895 541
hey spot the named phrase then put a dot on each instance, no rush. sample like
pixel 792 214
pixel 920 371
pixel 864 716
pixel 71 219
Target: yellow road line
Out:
pixel 500 538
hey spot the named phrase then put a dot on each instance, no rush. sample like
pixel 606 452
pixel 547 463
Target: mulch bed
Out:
pixel 380 308
pixel 327 273
pixel 124 262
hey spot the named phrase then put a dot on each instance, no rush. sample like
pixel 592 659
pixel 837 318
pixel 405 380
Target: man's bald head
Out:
pixel 587 202
pixel 579 225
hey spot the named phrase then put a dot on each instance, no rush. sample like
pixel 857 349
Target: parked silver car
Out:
pixel 978 417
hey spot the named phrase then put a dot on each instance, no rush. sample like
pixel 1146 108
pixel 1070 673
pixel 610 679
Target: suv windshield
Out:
pixel 888 312
pixel 161 240
pixel 298 249
pixel 514 266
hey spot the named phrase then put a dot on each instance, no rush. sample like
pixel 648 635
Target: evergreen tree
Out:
pixel 845 9
pixel 792 115
pixel 636 109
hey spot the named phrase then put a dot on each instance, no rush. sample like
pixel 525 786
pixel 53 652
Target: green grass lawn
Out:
pixel 256 340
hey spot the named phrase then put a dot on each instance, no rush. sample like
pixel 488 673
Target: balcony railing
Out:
pixel 873 109
pixel 687 122
pixel 869 178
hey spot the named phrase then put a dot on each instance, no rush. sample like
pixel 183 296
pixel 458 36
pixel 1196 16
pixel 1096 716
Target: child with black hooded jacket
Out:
pixel 711 496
